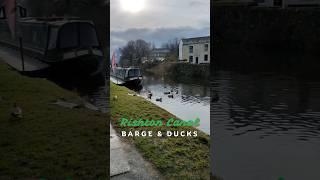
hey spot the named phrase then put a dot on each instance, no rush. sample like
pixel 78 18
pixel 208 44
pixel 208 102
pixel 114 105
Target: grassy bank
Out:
pixel 49 141
pixel 174 157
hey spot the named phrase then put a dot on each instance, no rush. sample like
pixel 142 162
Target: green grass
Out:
pixel 49 142
pixel 174 157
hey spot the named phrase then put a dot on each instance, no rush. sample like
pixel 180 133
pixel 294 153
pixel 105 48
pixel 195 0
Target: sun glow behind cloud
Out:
pixel 133 6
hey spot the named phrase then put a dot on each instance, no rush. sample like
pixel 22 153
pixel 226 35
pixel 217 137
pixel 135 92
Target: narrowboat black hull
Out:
pixel 120 81
pixel 86 69
pixel 135 82
pixel 89 70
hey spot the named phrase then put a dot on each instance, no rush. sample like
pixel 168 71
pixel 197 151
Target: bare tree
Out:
pixel 142 50
pixel 133 53
pixel 173 46
pixel 128 54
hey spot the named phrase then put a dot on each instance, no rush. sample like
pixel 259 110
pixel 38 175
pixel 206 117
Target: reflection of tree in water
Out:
pixel 189 93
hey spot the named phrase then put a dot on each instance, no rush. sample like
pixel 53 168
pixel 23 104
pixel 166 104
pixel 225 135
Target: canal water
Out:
pixel 191 99
pixel 266 126
pixel 97 95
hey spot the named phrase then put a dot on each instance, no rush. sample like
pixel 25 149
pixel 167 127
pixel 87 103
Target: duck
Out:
pixel 170 96
pixel 17 111
pixel 159 99
pixel 149 94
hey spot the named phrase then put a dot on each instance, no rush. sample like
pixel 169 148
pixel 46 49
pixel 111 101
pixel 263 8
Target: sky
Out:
pixel 157 21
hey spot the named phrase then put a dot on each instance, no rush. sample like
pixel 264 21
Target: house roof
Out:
pixel 196 40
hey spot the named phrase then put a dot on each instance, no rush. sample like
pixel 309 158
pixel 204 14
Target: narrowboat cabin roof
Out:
pixel 53 21
pixel 50 45
pixel 127 69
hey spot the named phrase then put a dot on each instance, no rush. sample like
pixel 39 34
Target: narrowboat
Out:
pixel 126 76
pixel 69 45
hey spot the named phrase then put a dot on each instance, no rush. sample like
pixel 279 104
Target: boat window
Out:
pixel 120 73
pixel 78 35
pixel 133 73
pixel 34 36
pixel 69 36
pixel 123 72
pixel 88 36
pixel 53 38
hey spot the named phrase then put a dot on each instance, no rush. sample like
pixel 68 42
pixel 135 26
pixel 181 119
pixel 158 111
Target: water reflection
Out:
pixel 189 100
pixel 266 113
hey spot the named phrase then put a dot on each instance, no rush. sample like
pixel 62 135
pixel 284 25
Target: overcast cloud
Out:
pixel 159 21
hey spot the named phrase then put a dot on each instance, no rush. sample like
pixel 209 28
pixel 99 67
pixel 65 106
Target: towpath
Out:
pixel 13 58
pixel 126 163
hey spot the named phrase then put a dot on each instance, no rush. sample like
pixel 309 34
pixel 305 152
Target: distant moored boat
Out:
pixel 126 76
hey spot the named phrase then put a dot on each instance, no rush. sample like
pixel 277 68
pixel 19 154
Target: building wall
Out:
pixel 159 55
pixel 180 50
pixel 198 51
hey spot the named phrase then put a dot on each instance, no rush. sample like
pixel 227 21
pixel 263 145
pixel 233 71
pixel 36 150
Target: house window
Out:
pixel 190 59
pixel 206 47
pixel 190 49
pixel 206 57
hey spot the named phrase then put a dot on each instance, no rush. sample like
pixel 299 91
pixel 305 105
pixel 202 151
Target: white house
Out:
pixel 159 54
pixel 195 50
